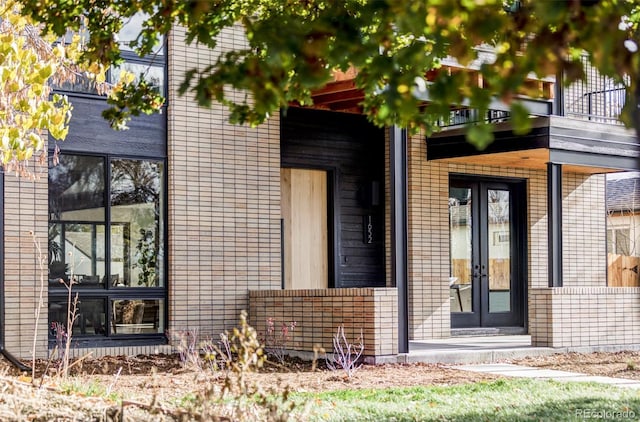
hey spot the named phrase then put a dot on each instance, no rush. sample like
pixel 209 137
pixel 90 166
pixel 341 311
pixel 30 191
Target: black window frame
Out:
pixel 110 293
pixel 158 58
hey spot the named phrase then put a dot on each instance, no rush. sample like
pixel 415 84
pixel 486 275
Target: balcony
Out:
pixel 559 132
pixel 583 133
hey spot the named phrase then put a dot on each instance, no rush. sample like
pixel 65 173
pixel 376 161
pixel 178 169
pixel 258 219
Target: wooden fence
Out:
pixel 499 272
pixel 623 270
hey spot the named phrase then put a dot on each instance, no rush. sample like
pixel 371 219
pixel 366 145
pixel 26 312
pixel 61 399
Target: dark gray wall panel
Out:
pixel 88 131
pixel 353 150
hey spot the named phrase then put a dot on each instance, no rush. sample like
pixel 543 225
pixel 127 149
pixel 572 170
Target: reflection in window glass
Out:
pixel 130 30
pixel 104 251
pixel 76 215
pixel 78 83
pixel 90 317
pixel 134 316
pixel 76 189
pixel 499 249
pixel 623 229
pixel 460 227
pixel 136 215
pixel 77 252
pixel 152 74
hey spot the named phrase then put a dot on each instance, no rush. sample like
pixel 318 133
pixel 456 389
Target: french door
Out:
pixel 488 252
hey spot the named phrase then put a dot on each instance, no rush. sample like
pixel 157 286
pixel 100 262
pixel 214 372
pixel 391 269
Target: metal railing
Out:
pixel 467 115
pixel 597 98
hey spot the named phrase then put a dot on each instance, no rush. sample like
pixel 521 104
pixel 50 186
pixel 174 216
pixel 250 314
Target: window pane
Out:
pixel 623 242
pixel 90 317
pixel 499 251
pixel 460 226
pixel 76 189
pixel 131 316
pixel 120 241
pixel 77 83
pixel 137 234
pixel 83 249
pixel 154 75
pixel 131 29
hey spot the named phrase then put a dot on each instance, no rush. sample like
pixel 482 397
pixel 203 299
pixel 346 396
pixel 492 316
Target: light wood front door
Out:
pixel 304 211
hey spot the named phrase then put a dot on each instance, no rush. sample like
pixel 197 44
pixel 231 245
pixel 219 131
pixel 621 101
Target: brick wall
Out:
pixel 26 210
pixel 429 303
pixel 428 244
pixel 319 312
pixel 584 316
pixel 224 217
pixel 583 234
pixel 224 202
pixel 96 352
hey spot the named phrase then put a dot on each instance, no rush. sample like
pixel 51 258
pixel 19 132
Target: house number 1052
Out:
pixel 369 230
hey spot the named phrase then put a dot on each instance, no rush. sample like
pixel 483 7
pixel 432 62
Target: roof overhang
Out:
pixel 580 146
pixel 342 93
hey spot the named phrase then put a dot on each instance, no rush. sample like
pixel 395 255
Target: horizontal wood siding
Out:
pixel 352 150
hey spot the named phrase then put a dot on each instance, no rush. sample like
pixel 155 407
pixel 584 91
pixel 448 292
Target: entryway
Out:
pixel 333 202
pixel 305 240
pixel 488 252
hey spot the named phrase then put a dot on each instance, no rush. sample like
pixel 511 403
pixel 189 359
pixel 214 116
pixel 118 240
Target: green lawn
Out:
pixel 502 400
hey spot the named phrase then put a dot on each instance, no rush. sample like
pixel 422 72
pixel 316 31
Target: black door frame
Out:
pixel 481 317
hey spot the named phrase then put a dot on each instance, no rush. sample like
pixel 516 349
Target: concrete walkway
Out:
pixel 487 349
pixel 473 349
pixel 511 370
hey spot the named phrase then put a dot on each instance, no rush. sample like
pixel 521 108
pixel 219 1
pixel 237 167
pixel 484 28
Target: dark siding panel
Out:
pixel 88 131
pixel 353 149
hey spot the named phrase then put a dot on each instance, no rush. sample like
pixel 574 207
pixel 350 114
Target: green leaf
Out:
pixel 520 119
pixel 480 136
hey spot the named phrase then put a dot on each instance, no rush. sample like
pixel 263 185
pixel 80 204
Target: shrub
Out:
pixel 346 355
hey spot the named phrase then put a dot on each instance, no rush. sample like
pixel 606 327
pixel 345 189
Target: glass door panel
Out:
pixel 460 220
pixel 499 250
pixel 487 266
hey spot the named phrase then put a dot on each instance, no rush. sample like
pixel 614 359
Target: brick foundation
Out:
pixel 318 313
pixel 584 316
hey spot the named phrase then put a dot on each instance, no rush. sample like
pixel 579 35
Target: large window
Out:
pixel 107 239
pixel 151 66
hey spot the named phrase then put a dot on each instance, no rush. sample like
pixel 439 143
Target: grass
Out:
pixel 502 400
pixel 89 389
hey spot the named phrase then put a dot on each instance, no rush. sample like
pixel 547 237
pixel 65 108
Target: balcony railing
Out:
pixel 466 115
pixel 597 98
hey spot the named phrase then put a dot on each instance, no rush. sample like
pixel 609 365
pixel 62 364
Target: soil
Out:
pixel 165 378
pixel 165 375
pixel 624 364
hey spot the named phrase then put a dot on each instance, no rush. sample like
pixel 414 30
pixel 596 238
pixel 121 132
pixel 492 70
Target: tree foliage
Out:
pixel 31 63
pixel 293 46
pixel 27 62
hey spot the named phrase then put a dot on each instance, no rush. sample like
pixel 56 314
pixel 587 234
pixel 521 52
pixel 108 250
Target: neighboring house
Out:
pixel 316 217
pixel 623 230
